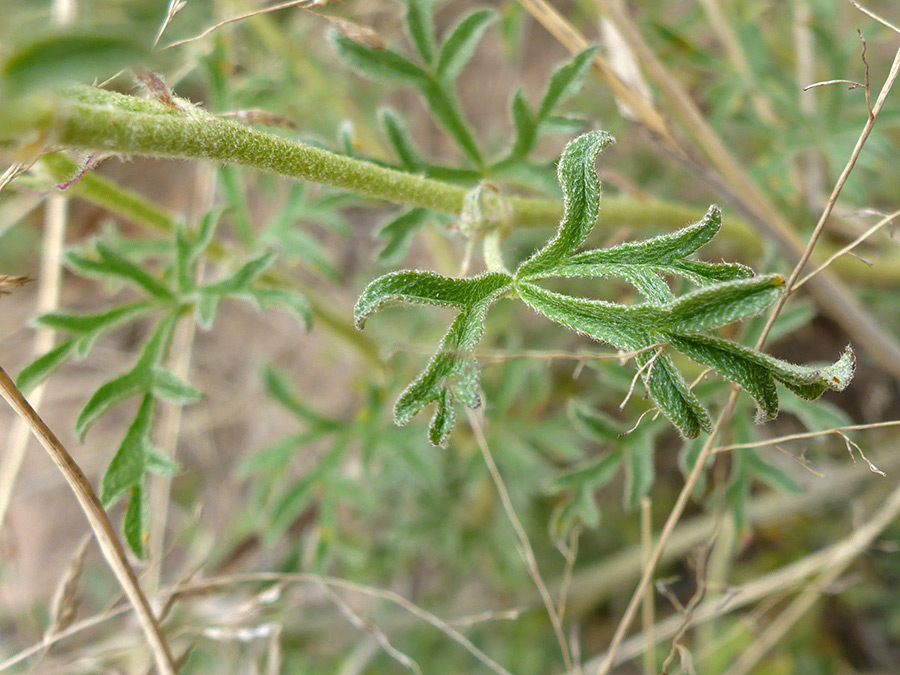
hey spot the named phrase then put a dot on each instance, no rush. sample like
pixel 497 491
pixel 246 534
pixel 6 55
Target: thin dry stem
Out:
pixel 807 434
pixel 849 247
pixel 835 565
pixel 874 16
pixel 372 630
pixel 241 17
pixel 648 617
pixel 99 522
pixel 525 549
pixel 835 193
pixel 49 284
pixel 571 554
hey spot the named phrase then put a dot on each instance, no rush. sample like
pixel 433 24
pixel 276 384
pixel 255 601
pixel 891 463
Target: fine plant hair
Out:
pixel 682 331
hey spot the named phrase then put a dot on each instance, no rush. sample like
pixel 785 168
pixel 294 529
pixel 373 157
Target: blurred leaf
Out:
pixel 127 466
pixel 43 366
pixel 421 27
pixel 76 55
pixel 379 64
pixel 459 45
pixel 398 136
pixel 399 233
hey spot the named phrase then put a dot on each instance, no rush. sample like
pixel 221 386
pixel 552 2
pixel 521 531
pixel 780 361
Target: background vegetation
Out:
pixel 189 337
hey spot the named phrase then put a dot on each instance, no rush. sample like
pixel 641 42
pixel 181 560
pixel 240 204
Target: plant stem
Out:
pixel 99 522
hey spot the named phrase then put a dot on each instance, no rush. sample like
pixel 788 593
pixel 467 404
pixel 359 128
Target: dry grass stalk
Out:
pixel 109 543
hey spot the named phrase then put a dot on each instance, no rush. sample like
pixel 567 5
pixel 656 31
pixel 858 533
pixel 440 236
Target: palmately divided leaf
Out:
pixel 451 375
pixel 427 288
pixel 581 197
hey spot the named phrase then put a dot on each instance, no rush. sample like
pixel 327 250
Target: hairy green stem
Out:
pixel 101 121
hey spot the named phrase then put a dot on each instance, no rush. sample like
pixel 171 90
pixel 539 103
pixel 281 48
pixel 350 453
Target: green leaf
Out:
pixel 240 281
pixel 399 233
pixel 592 476
pixel 109 394
pixel 139 380
pixel 662 250
pixel 459 45
pixel 581 196
pixel 445 109
pixel 379 64
pixel 594 423
pixel 670 393
pixel 93 323
pixel 160 463
pixel 398 136
pixel 167 386
pixel 188 249
pixel 525 124
pixel 639 470
pixel 808 382
pixel 772 475
pixel 43 366
pixel 427 288
pixel 450 375
pixel 723 303
pixel 421 28
pixel 752 377
pixel 111 264
pixel 626 327
pixel 297 498
pixel 566 81
pixel 127 466
pixel 279 388
pixel 76 54
pixel 277 298
pixel 136 525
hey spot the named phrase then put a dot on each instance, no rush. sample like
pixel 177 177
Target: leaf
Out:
pixel 581 196
pixel 566 81
pixel 160 463
pixel 670 393
pixel 445 109
pixel 240 281
pixel 136 525
pixel 451 374
pixel 379 64
pixel 167 386
pixel 109 394
pixel 723 303
pixel 279 388
pixel 188 249
pixel 300 494
pixel 772 475
pixel 127 466
pixel 592 476
pixel 427 288
pixel 459 45
pixel 421 28
pixel 399 233
pixel 139 380
pixel 277 298
pixel 639 470
pixel 525 124
pixel 43 366
pixel 51 60
pixel 594 423
pixel 737 361
pixel 626 327
pixel 111 264
pixel 93 323
pixel 398 136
